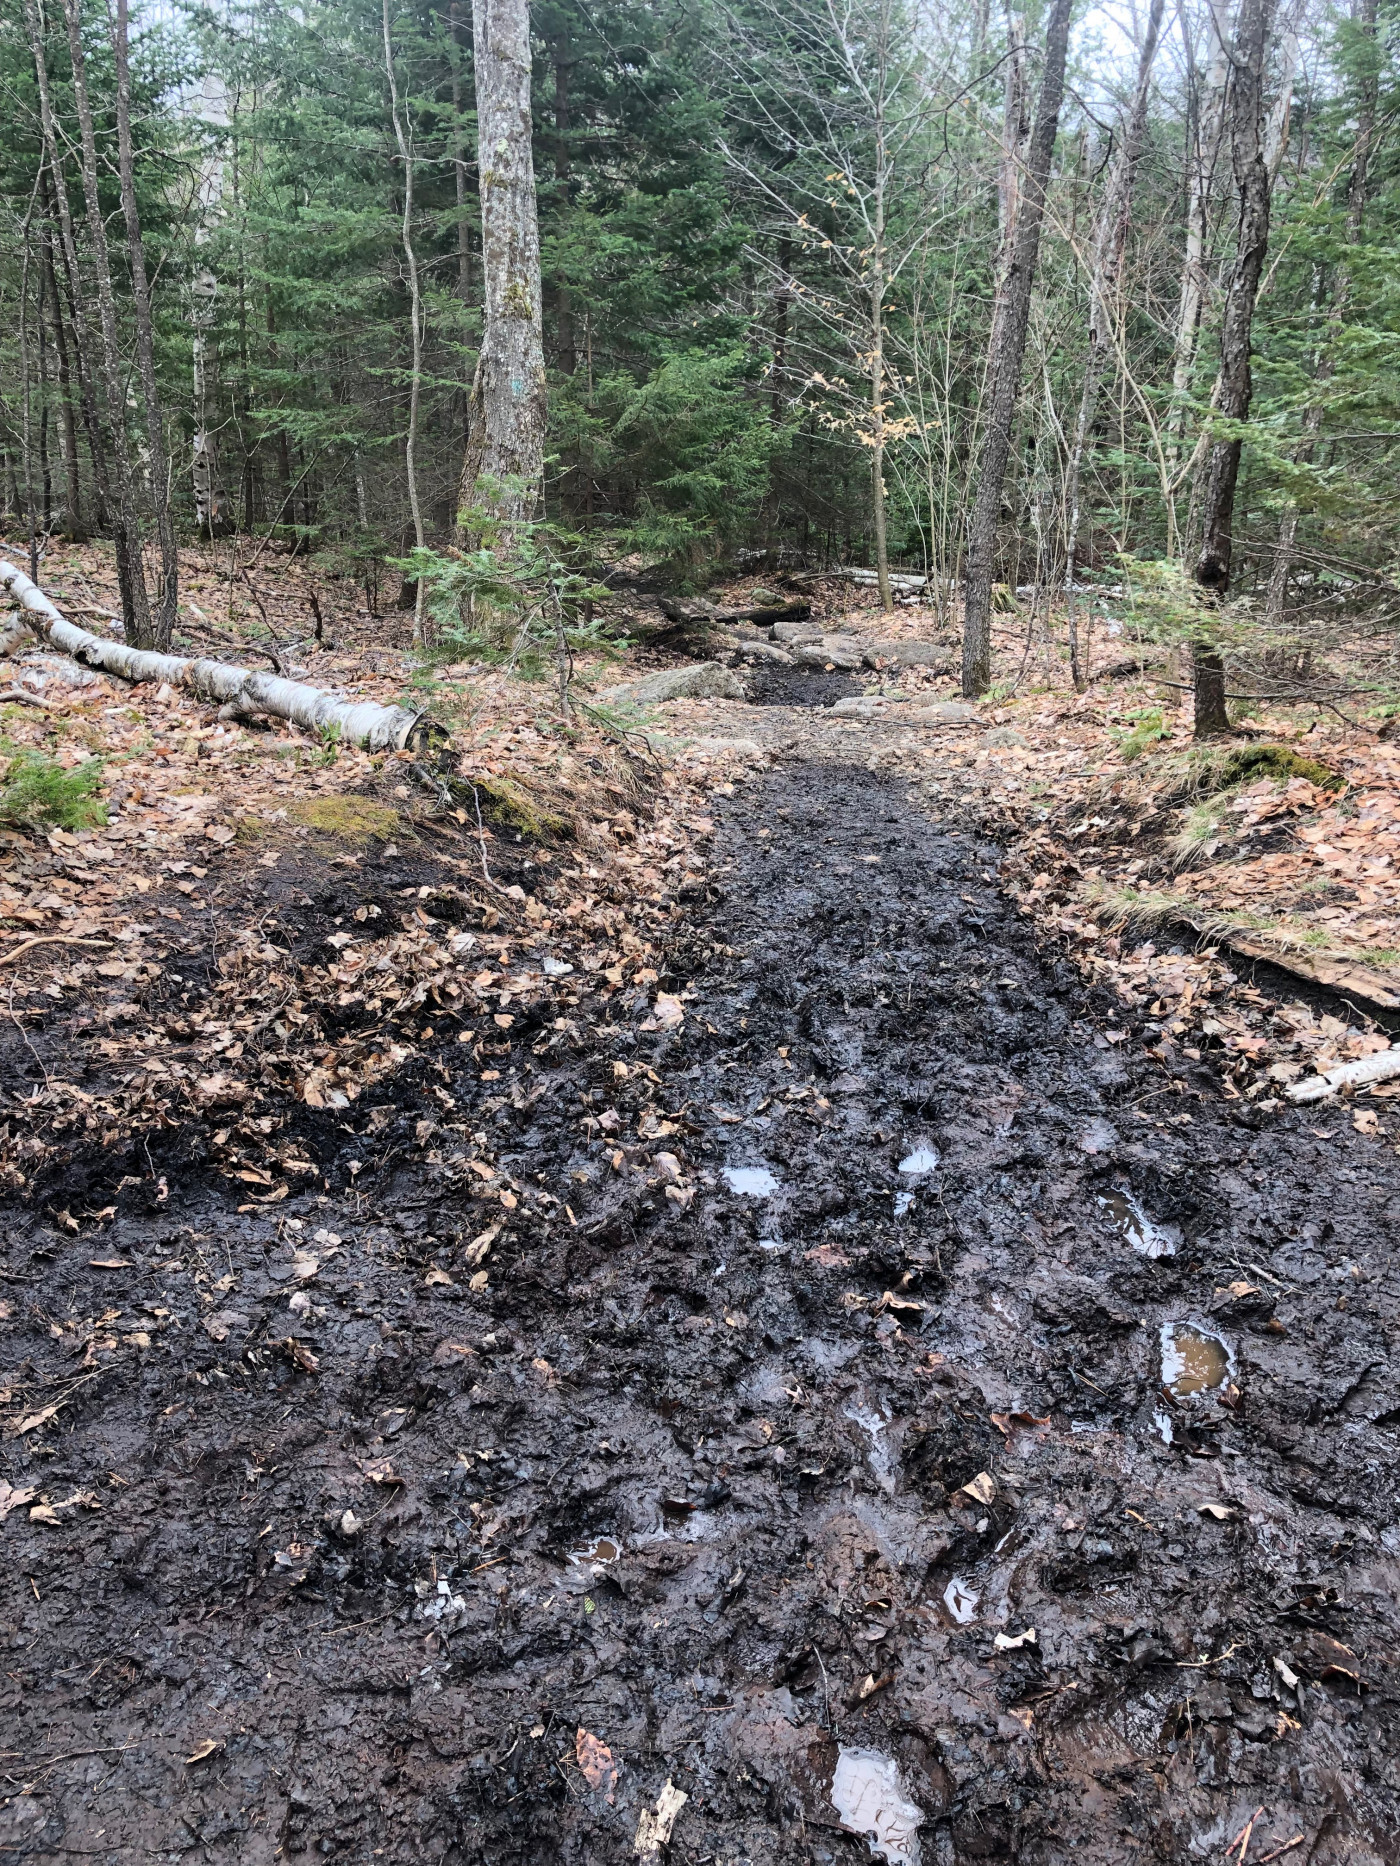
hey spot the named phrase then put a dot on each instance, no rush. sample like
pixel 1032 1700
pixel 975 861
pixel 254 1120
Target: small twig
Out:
pixel 1242 1838
pixel 1287 1847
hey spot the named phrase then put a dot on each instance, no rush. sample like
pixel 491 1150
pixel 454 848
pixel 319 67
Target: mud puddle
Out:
pixel 666 1489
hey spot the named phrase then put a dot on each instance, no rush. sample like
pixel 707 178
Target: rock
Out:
pixel 901 713
pixel 796 631
pixel 831 651
pixel 1003 735
pixel 766 651
pixel 697 680
pixel 906 654
pixel 944 713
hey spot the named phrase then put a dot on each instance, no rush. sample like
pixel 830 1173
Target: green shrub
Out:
pixel 38 790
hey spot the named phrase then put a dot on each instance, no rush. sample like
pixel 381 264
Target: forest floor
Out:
pixel 733 1306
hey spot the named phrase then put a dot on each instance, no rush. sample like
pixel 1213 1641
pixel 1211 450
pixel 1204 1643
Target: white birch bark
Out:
pixel 504 464
pixel 241 692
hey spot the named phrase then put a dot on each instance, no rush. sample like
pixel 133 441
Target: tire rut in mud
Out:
pixel 848 1361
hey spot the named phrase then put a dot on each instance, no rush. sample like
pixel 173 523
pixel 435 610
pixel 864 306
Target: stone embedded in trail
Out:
pixel 837 651
pixel 796 631
pixel 765 651
pixel 901 713
pixel 698 680
pixel 1003 736
pixel 905 654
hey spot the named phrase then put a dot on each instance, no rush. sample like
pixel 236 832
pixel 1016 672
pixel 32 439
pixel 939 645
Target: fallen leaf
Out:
pixel 108 1263
pixel 350 1523
pixel 34 1420
pixel 1286 1673
pixel 1217 1510
pixel 202 1751
pixel 448 1352
pixel 595 1761
pixel 1366 1121
pixel 980 1489
pixel 45 1513
pixel 12 1499
pixel 1006 1642
pixel 668 1013
pixel 437 1278
pixel 654 1828
pixel 304 1265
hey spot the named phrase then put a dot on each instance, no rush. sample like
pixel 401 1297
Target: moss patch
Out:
pixel 347 818
pixel 506 804
pixel 1278 761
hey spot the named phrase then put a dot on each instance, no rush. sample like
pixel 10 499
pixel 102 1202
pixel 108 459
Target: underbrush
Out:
pixel 37 790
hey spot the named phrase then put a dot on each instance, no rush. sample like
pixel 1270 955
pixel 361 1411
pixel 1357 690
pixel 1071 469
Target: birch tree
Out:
pixel 503 469
pixel 158 471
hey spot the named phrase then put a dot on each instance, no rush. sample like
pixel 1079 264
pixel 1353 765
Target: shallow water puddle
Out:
pixel 599 1553
pixel 1193 1360
pixel 921 1160
pixel 869 1796
pixel 871 1423
pixel 754 1182
pixel 961 1600
pixel 1147 1237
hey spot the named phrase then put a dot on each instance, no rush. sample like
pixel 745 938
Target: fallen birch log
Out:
pixel 1378 1068
pixel 239 692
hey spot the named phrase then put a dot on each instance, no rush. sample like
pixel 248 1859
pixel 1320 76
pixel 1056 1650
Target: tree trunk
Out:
pixel 1202 159
pixel 459 164
pixel 563 170
pixel 1105 289
pixel 1279 571
pixel 240 692
pixel 84 353
pixel 504 464
pixel 72 477
pixel 164 618
pixel 126 527
pixel 209 500
pixel 1248 159
pixel 1008 346
pixel 877 383
pixel 415 304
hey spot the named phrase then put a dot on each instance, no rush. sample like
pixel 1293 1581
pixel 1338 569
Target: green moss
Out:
pixel 507 805
pixel 1278 761
pixel 37 790
pixel 347 818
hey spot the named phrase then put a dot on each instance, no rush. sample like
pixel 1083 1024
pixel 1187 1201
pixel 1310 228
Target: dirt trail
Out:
pixel 766 1427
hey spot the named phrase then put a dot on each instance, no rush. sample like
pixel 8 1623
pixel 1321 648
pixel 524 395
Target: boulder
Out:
pixel 796 631
pixel 831 651
pixel 696 680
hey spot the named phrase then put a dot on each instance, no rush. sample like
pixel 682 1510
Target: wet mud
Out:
pixel 811 1465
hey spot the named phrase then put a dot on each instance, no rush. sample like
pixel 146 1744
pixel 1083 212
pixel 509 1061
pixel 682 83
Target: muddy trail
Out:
pixel 905 1419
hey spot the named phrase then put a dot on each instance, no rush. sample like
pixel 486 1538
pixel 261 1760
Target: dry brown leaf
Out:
pixel 595 1762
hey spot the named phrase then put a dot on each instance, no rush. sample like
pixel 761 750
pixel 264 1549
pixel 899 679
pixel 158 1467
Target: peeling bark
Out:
pixel 240 692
